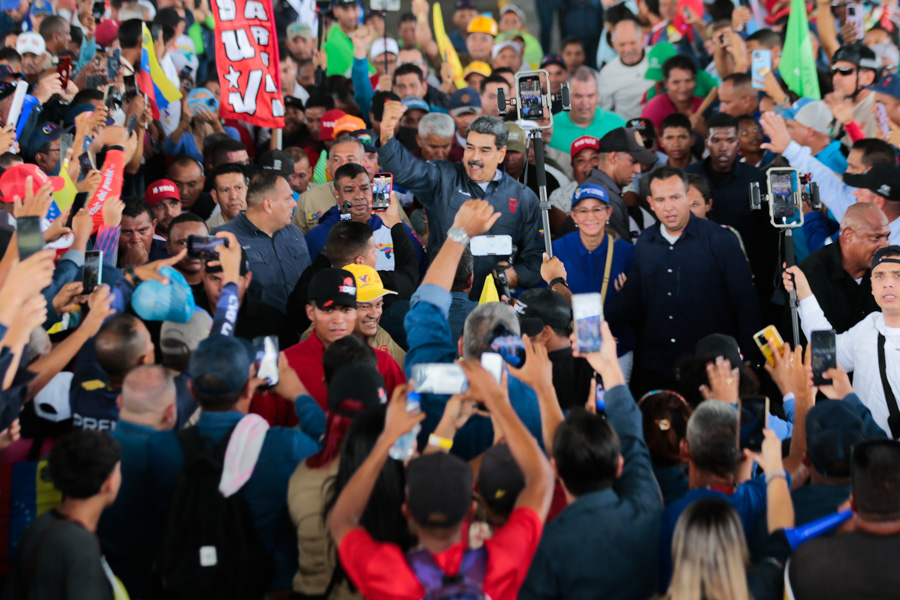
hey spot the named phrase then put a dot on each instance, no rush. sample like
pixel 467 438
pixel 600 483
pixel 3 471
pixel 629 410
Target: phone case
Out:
pixel 762 339
pixel 587 310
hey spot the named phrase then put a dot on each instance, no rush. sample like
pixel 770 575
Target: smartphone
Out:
pixel 204 246
pixel 64 68
pixel 493 364
pixel 883 124
pixel 511 348
pixel 98 9
pixel 762 339
pixel 723 39
pixel 824 355
pixel 266 358
pixel 132 121
pixel 753 419
pixel 761 65
pixel 382 187
pixel 29 235
pixel 131 89
pixel 93 270
pixel 85 163
pixel 491 245
pixel 855 14
pixel 94 82
pixel 18 101
pixel 113 64
pixel 77 204
pixel 587 310
pixel 439 378
pixel 531 97
pixel 783 190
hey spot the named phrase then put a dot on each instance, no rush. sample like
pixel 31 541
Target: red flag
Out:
pixel 247 60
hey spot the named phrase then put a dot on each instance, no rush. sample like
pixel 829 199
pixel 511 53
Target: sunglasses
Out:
pixel 842 71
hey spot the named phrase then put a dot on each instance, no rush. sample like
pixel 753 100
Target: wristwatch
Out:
pixel 559 280
pixel 458 235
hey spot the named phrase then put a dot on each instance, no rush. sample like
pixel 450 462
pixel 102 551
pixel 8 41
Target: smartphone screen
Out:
pixel 761 65
pixel 132 121
pixel 30 237
pixel 204 246
pixel 382 187
pixel 113 64
pixel 85 163
pixel 823 355
pixel 491 245
pixel 511 348
pixel 93 270
pixel 266 358
pixel 131 89
pixel 588 312
pixel 754 414
pixel 77 204
pixel 531 97
pixel 762 341
pixel 782 198
pixel 883 124
pixel 439 378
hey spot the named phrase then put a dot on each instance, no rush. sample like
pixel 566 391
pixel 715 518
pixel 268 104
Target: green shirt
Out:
pixel 565 131
pixel 339 48
pixel 705 84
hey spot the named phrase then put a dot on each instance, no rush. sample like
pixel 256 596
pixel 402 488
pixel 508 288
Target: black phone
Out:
pixel 77 204
pixel 131 89
pixel 824 355
pixel 532 97
pixel 204 246
pixel 93 270
pixel 114 64
pixel 98 9
pixel 85 163
pixel 754 414
pixel 132 121
pixel 29 235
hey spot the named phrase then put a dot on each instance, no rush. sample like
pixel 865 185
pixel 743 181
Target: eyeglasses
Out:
pixel 842 71
pixel 596 211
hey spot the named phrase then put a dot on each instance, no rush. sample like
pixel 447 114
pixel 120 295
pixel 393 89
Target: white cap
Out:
pixel 503 45
pixel 816 115
pixel 31 42
pixel 382 45
pixel 52 402
pixel 513 8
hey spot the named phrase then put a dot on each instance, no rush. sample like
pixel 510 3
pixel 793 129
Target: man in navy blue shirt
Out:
pixel 689 279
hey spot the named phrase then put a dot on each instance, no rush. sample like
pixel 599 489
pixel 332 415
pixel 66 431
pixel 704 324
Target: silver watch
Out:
pixel 458 235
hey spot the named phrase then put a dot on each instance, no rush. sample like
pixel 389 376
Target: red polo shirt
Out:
pixel 306 359
pixel 380 570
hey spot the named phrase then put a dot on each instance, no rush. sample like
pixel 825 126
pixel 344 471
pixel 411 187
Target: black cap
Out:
pixel 719 344
pixel 546 306
pixel 354 388
pixel 378 101
pixel 623 139
pixel 277 161
pixel 245 264
pixel 888 254
pixel 438 489
pixel 881 178
pixel 367 137
pixel 461 4
pixel 644 126
pixel 499 479
pixel 293 101
pixel 330 287
pixel 858 54
pixel 832 430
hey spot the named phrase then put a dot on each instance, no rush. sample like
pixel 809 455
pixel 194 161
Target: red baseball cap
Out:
pixel 583 142
pixel 12 182
pixel 326 134
pixel 161 189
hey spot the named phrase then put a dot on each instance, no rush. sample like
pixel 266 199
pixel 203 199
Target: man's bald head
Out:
pixel 863 214
pixel 865 229
pixel 737 96
pixel 148 397
pixel 627 41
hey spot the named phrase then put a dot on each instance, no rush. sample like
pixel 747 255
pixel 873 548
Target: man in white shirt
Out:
pixel 858 349
pixel 623 82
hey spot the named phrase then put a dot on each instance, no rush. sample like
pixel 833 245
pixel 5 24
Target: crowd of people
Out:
pixel 339 359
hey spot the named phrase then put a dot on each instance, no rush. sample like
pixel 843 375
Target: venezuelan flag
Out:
pixel 152 80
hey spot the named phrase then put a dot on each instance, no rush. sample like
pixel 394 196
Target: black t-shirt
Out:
pixel 66 563
pixel 204 206
pixel 571 378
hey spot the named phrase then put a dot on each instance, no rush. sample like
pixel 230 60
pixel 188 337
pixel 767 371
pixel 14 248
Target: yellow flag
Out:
pixel 445 47
pixel 66 195
pixel 489 291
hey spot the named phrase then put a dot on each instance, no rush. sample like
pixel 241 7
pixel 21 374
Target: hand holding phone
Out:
pixel 29 236
pixel 762 339
pixel 204 246
pixel 267 359
pixel 382 186
pixel 753 419
pixel 587 310
pixel 93 270
pixel 824 355
pixel 64 68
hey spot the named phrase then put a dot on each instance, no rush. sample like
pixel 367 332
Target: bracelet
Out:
pixel 558 280
pixel 440 442
pixel 779 474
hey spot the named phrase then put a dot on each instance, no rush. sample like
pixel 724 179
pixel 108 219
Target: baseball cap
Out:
pixel 816 115
pixel 326 133
pixel 354 388
pixel 224 364
pixel 479 67
pixel 545 305
pixel 50 404
pixel 293 101
pixel 515 142
pixel 832 430
pixel 330 287
pixel 40 136
pixel 483 24
pixel 301 30
pixel 382 45
pixel 889 84
pixel 658 55
pixel 12 182
pixel 438 489
pixel 30 42
pixel 553 59
pixel 719 344
pixel 881 178
pixel 882 255
pixel 344 125
pixel 790 112
pixel 465 101
pixel 857 54
pixel 413 103
pixel 378 101
pixel 644 126
pixel 623 139
pixel 161 189
pixel 277 161
pixel 369 286
pixel 7 71
pixel 154 301
pixel 106 33
pixel 589 190
pixel 343 2
pixel 499 478
pixel 41 7
pixel 461 4
pixel 582 143
pixel 181 339
pixel 503 45
pixel 513 9
pixel 367 137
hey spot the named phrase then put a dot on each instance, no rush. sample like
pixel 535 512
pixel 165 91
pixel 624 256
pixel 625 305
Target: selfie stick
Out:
pixel 794 303
pixel 541 173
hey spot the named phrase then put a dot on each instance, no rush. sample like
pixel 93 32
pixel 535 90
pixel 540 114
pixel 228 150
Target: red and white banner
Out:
pixel 247 60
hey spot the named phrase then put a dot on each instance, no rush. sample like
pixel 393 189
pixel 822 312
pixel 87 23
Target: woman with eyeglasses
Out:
pixel 595 260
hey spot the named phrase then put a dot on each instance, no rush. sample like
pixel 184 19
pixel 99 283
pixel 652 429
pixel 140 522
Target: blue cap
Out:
pixel 223 358
pixel 590 190
pixel 466 100
pixel 7 71
pixel 42 7
pixel 832 429
pixel 889 84
pixel 791 113
pixel 9 4
pixel 553 59
pixel 154 301
pixel 413 103
pixel 40 136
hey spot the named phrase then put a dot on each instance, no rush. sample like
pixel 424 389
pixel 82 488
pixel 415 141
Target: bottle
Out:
pixel 405 446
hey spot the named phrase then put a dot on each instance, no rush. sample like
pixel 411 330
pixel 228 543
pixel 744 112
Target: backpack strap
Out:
pixel 472 569
pixel 32 562
pixel 192 443
pixel 893 411
pixel 474 566
pixel 425 569
pixel 610 242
